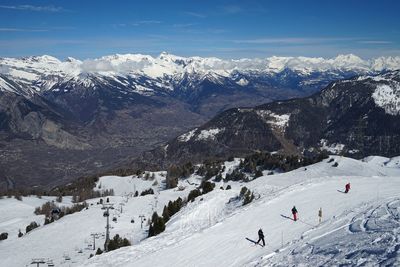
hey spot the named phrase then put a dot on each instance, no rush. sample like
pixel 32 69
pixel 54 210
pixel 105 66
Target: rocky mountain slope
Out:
pixel 63 119
pixel 356 116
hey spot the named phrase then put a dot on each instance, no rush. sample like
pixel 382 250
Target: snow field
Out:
pixel 223 243
pixel 358 228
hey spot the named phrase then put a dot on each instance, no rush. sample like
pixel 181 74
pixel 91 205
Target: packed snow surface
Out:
pixel 212 231
pixel 358 228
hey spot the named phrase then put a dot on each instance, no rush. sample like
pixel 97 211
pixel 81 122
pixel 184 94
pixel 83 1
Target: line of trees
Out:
pixel 49 207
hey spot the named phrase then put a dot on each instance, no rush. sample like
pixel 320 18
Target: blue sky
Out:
pixel 226 29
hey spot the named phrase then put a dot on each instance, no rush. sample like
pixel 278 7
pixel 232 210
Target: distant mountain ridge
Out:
pixel 148 75
pixel 355 117
pixel 63 119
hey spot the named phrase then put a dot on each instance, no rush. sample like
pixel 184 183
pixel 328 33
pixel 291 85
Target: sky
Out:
pixel 226 29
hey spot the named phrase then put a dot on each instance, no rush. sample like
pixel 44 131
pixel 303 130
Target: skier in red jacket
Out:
pixel 347 188
pixel 294 212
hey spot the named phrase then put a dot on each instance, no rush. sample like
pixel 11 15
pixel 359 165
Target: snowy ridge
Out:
pixel 46 71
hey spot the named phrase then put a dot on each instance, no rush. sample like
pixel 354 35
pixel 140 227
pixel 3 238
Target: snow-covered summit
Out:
pixel 31 72
pixel 117 63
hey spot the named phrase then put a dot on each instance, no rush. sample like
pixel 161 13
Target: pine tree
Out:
pixel 193 194
pixel 243 191
pixel 157 225
pixel 99 251
pixel 249 196
pixel 172 177
pixel 165 214
pixel 31 226
pixel 151 231
pixel 207 187
pixel 258 173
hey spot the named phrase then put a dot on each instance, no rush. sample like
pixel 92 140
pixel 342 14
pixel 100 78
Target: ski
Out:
pixel 252 241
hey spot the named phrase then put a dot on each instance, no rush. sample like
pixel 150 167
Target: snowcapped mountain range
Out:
pixel 109 110
pixel 145 74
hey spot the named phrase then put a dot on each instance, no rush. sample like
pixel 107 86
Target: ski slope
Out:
pixel 17 214
pixel 212 232
pixel 358 228
pixel 68 241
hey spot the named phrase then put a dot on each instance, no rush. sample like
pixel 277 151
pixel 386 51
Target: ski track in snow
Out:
pixel 359 228
pixel 221 244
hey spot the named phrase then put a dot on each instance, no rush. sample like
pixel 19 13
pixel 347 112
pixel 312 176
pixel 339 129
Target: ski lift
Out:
pixel 67 257
pixel 114 219
pixel 181 188
pixel 106 214
pixel 55 211
pixel 50 263
pixel 132 221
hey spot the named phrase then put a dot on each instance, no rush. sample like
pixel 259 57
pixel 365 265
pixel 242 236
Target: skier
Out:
pixel 347 188
pixel 261 237
pixel 294 212
pixel 320 215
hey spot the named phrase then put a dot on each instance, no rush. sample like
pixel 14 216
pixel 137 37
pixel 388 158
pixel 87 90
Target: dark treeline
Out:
pixel 253 165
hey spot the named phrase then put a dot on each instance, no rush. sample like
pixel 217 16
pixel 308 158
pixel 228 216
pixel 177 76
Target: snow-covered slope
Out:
pixel 43 73
pixel 212 232
pixel 364 236
pixel 357 228
pixel 16 215
pixel 70 236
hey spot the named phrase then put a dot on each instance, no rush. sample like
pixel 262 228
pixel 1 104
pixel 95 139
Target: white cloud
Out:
pixel 99 65
pixel 232 9
pixel 292 40
pixel 195 14
pixel 375 42
pixel 146 22
pixel 34 8
pixel 21 30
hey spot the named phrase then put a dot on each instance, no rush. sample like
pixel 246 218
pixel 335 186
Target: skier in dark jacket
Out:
pixel 347 188
pixel 294 212
pixel 261 237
